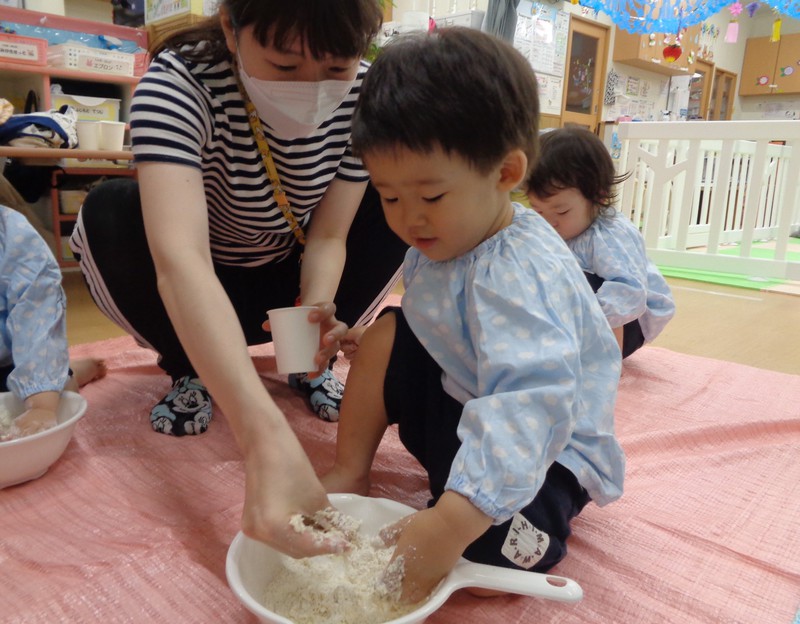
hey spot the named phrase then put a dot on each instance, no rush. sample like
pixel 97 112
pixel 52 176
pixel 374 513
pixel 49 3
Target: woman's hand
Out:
pixel 280 485
pixel 332 332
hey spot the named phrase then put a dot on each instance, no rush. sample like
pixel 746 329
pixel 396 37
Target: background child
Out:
pixel 572 186
pixel 499 370
pixel 34 357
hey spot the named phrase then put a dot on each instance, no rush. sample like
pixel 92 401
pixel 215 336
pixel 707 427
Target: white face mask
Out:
pixel 294 109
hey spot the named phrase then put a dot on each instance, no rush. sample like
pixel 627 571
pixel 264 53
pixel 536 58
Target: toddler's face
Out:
pixel 568 211
pixel 438 203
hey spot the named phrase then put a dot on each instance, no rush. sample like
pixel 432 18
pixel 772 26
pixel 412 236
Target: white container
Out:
pixel 83 58
pixel 88 108
pixel 112 135
pixel 251 564
pixel 89 135
pixel 29 457
pixel 296 339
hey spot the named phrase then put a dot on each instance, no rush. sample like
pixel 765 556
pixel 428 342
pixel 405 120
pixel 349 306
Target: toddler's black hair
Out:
pixel 574 157
pixel 459 89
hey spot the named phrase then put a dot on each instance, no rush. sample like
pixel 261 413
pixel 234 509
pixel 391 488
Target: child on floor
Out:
pixel 572 186
pixel 34 357
pixel 499 368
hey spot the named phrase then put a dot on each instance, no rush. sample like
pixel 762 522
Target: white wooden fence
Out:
pixel 697 188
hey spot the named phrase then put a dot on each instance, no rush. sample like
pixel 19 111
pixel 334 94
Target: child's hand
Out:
pixel 432 541
pixel 34 420
pixel 352 341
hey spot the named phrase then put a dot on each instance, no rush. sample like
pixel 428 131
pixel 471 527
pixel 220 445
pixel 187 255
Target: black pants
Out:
pixel 113 231
pixel 427 418
pixel 632 336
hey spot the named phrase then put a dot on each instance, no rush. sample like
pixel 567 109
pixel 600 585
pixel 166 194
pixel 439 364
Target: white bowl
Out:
pixel 251 564
pixel 29 457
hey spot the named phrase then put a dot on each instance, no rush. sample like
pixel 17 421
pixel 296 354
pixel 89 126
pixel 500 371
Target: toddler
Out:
pixel 34 357
pixel 572 186
pixel 499 368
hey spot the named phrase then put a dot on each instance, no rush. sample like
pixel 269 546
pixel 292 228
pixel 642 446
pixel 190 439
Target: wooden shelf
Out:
pixel 53 153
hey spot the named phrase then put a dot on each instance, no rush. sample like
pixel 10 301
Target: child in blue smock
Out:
pixel 34 356
pixel 499 368
pixel 572 186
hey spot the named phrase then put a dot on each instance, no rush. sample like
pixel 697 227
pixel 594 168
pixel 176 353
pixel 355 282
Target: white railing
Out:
pixel 698 188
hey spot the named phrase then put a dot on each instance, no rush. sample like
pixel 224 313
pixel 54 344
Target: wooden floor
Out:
pixel 760 329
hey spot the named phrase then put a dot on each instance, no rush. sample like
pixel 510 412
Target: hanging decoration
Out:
pixel 667 16
pixel 732 32
pixel 672 52
pixel 776 30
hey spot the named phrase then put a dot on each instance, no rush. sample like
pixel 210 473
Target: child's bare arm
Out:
pixel 39 414
pixel 432 541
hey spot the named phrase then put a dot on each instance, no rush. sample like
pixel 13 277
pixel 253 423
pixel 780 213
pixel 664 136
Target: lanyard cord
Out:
pixel 269 164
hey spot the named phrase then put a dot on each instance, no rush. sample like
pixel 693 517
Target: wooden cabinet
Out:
pixel 647 51
pixel 720 105
pixel 700 91
pixel 771 67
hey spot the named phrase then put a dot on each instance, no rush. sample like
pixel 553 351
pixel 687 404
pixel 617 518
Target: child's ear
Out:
pixel 512 170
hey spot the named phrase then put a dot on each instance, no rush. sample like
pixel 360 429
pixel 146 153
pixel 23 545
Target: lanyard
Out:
pixel 269 164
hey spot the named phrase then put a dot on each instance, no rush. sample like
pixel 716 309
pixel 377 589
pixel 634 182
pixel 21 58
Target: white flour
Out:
pixel 350 588
pixel 8 430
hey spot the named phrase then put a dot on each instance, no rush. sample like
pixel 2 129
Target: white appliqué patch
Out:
pixel 525 545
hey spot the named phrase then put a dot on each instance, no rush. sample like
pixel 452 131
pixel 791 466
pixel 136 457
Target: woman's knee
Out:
pixel 112 202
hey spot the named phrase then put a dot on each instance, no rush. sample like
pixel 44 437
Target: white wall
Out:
pixel 92 10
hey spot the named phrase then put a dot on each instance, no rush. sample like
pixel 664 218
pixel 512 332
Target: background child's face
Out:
pixel 568 211
pixel 438 203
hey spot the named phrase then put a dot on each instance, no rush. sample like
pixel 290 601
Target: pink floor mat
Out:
pixel 132 526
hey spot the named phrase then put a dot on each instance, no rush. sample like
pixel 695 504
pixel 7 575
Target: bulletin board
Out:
pixel 542 35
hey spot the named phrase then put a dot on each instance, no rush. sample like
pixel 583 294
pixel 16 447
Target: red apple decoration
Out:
pixel 672 52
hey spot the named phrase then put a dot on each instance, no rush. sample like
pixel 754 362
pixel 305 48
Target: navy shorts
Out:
pixel 427 417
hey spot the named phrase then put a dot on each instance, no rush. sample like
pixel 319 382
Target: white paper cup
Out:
pixel 88 135
pixel 112 135
pixel 296 339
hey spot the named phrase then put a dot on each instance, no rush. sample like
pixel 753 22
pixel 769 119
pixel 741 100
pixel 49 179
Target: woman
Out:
pixel 189 260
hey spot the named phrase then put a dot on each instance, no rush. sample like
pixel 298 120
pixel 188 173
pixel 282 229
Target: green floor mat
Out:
pixel 761 250
pixel 760 253
pixel 725 279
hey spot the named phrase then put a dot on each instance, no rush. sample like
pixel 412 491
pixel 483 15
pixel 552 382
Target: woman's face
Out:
pixel 295 64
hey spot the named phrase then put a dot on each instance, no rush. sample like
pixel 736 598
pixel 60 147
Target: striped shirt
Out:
pixel 191 113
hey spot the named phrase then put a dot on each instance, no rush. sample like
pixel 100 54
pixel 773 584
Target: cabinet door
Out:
pixel 586 74
pixel 787 67
pixel 721 105
pixel 700 91
pixel 758 68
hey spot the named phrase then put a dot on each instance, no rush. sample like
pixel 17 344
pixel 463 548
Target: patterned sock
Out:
pixel 324 393
pixel 186 410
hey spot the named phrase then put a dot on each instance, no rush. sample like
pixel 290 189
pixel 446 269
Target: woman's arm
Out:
pixel 325 252
pixel 280 480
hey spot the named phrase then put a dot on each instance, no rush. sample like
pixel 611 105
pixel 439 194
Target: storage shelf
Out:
pixel 48 153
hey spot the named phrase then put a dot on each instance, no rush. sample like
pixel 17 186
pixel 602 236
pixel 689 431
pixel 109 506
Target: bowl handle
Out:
pixel 559 588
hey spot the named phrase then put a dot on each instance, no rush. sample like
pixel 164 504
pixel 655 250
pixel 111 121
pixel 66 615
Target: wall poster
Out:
pixel 542 35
